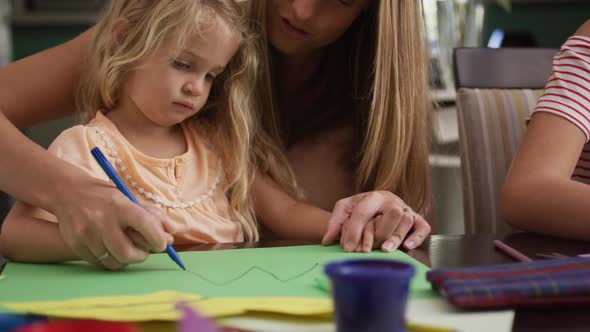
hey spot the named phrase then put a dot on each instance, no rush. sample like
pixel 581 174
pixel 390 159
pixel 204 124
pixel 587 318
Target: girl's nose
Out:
pixel 194 87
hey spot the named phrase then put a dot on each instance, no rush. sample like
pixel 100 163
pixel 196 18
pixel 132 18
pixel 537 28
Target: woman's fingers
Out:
pixel 94 220
pixel 148 225
pixel 138 240
pixel 122 249
pixel 368 237
pixel 403 227
pixel 375 219
pixel 388 222
pixel 163 221
pixel 92 256
pixel 421 231
pixel 366 207
pixel 340 215
pixel 111 263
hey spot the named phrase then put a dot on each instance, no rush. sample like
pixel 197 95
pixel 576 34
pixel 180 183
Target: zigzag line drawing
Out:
pixel 231 281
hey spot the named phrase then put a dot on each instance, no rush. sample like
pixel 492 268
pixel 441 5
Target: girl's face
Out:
pixel 169 87
pixel 300 27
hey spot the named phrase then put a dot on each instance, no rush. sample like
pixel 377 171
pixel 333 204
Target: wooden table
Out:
pixel 470 250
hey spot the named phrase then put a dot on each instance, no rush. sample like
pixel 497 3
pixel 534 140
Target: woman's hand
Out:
pixel 106 229
pixel 375 219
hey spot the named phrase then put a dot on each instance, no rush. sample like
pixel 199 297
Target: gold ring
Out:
pixel 103 256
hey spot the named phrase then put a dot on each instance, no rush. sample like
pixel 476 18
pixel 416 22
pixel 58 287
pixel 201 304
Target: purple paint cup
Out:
pixel 370 294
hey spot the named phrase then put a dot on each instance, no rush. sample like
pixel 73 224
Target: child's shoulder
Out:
pixel 71 137
pixel 77 137
pixel 76 140
pixel 74 145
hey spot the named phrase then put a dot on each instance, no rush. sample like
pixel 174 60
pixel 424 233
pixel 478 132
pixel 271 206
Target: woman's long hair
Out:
pixel 387 63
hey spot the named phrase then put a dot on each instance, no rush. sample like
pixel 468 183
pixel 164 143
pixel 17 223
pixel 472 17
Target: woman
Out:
pixel 350 107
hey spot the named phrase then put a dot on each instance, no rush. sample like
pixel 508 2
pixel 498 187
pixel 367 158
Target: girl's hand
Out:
pixel 94 218
pixel 375 219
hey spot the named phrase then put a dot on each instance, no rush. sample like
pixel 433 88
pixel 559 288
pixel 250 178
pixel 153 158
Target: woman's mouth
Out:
pixel 293 30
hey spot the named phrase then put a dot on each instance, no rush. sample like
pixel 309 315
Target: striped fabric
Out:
pixel 544 282
pixel 491 125
pixel 567 94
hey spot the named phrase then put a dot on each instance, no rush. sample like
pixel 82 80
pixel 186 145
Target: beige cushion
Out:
pixel 491 125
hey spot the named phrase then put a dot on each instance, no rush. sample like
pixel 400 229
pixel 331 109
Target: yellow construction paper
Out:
pixel 160 306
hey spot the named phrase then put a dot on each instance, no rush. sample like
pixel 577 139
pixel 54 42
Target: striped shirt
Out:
pixel 567 94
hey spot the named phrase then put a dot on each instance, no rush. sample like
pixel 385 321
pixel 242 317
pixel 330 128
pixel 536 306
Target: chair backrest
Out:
pixel 502 68
pixel 497 90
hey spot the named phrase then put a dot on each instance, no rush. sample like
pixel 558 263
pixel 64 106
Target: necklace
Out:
pixel 154 198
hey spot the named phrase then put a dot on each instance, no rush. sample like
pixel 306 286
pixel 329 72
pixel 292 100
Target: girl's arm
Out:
pixel 32 240
pixel 284 215
pixel 539 194
pixel 39 88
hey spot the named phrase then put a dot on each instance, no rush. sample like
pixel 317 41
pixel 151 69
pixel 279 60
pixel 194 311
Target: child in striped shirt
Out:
pixel 547 188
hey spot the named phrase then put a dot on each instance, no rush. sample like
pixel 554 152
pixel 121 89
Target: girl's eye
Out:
pixel 181 65
pixel 210 77
pixel 346 2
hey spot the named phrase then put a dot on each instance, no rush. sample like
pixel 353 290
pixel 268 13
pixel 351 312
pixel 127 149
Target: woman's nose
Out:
pixel 304 9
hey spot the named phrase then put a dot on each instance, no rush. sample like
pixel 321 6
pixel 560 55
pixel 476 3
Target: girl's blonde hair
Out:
pixel 387 62
pixel 228 113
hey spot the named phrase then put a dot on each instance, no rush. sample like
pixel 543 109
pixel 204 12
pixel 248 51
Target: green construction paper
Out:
pixel 259 272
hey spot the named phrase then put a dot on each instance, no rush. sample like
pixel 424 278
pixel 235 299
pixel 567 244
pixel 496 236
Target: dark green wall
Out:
pixel 30 39
pixel 551 23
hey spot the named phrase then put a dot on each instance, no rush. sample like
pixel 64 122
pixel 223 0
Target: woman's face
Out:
pixel 300 27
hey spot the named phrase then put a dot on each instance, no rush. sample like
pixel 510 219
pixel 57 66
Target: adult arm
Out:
pixel 31 235
pixel 39 88
pixel 539 194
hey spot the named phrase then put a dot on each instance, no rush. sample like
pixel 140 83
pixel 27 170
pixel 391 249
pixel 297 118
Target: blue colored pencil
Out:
pixel 114 176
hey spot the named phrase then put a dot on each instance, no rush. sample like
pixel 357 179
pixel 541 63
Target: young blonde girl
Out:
pixel 167 95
